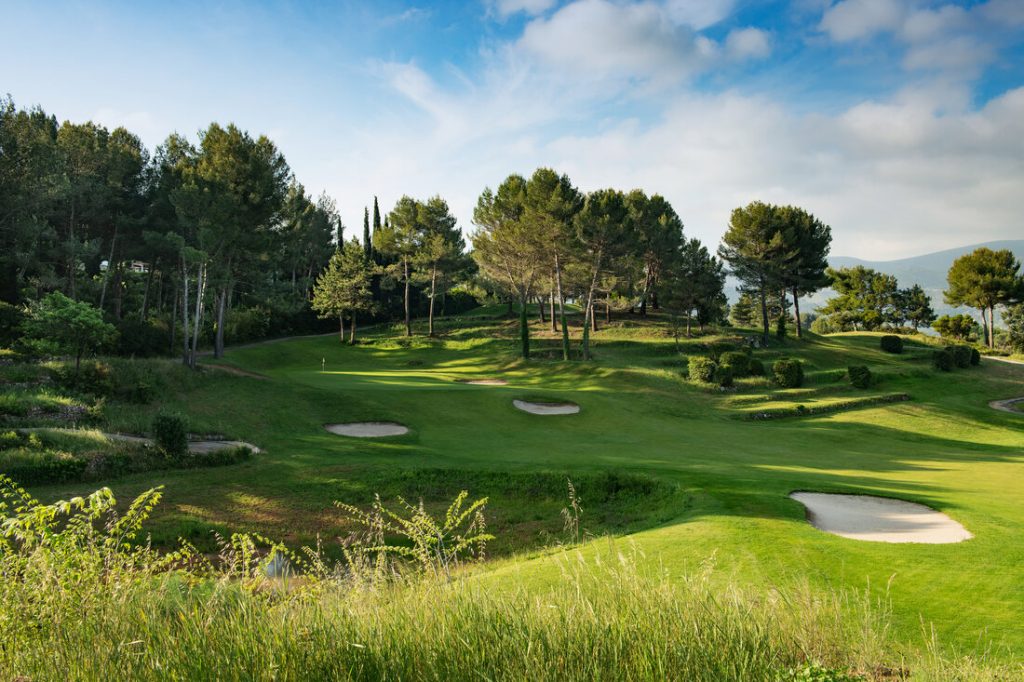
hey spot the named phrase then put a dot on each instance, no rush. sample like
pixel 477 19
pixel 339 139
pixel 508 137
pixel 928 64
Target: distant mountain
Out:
pixel 928 270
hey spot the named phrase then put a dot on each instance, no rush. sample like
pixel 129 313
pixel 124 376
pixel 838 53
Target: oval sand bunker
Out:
pixel 484 382
pixel 546 408
pixel 367 429
pixel 879 519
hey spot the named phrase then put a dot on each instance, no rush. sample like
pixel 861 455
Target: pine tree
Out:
pixel 344 286
pixel 984 279
pixel 742 313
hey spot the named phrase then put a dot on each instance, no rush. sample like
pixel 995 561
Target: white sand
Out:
pixel 485 382
pixel 1008 405
pixel 367 429
pixel 546 408
pixel 879 519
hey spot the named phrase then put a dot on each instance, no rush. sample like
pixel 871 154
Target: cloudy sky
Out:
pixel 898 122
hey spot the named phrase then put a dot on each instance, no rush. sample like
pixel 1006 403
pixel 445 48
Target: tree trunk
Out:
pixel 540 310
pixel 110 266
pixel 588 311
pixel 992 326
pixel 184 312
pixel 796 314
pixel 643 308
pixel 607 311
pixel 174 322
pixel 551 310
pixel 764 314
pixel 561 309
pixel 433 290
pixel 352 330
pixel 341 326
pixel 524 329
pixel 408 321
pixel 688 320
pixel 145 292
pixel 200 290
pixel 593 317
pixel 218 341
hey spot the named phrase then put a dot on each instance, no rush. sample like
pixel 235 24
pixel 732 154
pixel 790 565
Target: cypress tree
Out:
pixel 367 244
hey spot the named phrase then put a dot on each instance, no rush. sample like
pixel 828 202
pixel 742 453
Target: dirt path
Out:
pixel 1007 405
pixel 199 447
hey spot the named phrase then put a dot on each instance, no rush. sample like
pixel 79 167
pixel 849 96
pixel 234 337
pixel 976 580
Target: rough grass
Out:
pixel 946 448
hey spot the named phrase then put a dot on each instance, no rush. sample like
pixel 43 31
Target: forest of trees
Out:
pixel 212 240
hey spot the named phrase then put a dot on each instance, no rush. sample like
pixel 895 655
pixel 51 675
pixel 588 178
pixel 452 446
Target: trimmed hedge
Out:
pixel 788 373
pixel 738 362
pixel 702 369
pixel 975 357
pixel 942 359
pixel 860 376
pixel 170 433
pixel 755 367
pixel 891 343
pixel 961 356
pixel 804 411
pixel 725 376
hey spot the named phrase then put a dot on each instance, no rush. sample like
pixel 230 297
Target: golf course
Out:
pixel 677 473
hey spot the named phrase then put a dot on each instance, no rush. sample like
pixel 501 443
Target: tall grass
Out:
pixel 81 598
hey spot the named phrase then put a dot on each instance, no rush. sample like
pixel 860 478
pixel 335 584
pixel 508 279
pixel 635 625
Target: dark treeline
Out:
pixel 198 241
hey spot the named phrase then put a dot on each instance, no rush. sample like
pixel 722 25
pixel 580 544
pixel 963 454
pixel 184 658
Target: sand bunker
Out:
pixel 546 408
pixel 1012 405
pixel 879 519
pixel 484 382
pixel 367 429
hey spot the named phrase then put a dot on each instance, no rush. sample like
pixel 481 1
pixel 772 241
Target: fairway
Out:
pixel 722 479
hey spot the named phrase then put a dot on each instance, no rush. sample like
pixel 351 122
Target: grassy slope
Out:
pixel 946 448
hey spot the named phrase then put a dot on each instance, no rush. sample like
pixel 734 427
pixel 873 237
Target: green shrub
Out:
pixel 860 376
pixel 702 369
pixel 738 362
pixel 170 432
pixel 755 367
pixel 891 343
pixel 780 327
pixel 824 325
pixel 788 373
pixel 975 357
pixel 142 338
pixel 136 381
pixel 942 359
pixel 717 350
pixel 724 375
pixel 93 377
pixel 961 356
pixel 11 317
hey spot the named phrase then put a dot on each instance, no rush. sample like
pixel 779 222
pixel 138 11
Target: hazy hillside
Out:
pixel 928 270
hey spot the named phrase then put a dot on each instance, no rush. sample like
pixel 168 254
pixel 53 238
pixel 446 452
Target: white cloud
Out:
pixel 748 43
pixel 857 19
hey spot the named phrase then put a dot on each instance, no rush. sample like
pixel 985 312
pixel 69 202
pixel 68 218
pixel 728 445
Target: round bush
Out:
pixel 702 369
pixel 975 357
pixel 962 356
pixel 738 362
pixel 860 376
pixel 170 432
pixel 788 373
pixel 755 367
pixel 942 359
pixel 891 343
pixel 725 376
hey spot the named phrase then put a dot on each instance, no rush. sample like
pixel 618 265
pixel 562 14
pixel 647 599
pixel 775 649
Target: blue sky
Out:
pixel 899 122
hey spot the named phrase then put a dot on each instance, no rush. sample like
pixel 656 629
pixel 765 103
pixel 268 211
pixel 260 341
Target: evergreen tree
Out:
pixel 914 306
pixel 601 226
pixel 742 313
pixel 757 251
pixel 344 287
pixel 866 300
pixel 984 279
pixel 808 242
pixel 402 240
pixel 367 244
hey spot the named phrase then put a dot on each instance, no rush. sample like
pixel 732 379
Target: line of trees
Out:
pixel 172 247
pixel 540 239
pixel 867 300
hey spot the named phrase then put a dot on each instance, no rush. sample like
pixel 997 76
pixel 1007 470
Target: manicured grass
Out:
pixel 720 482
